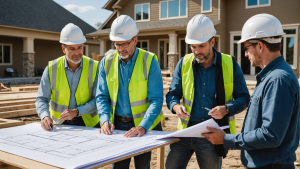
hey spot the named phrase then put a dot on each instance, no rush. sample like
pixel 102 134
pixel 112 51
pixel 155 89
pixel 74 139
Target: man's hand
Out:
pixel 216 136
pixel 139 131
pixel 218 112
pixel 68 114
pixel 45 123
pixel 105 128
pixel 180 111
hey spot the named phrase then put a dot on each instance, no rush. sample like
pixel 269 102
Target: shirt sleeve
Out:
pixel 155 95
pixel 240 92
pixel 275 123
pixel 90 107
pixel 43 96
pixel 175 91
pixel 102 95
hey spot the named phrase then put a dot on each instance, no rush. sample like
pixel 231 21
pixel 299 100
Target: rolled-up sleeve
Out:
pixel 155 95
pixel 102 94
pixel 276 117
pixel 43 96
pixel 175 91
pixel 240 92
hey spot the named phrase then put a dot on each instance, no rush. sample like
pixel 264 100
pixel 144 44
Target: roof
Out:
pixel 162 24
pixel 44 15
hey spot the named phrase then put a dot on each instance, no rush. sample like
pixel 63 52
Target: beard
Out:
pixel 129 53
pixel 71 60
pixel 257 61
pixel 206 56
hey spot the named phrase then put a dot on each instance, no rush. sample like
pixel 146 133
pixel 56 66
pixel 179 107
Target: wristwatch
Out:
pixel 227 109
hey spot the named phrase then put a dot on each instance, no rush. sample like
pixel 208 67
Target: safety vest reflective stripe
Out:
pixel 139 103
pixel 187 102
pixel 145 65
pixel 57 107
pixel 113 103
pixel 90 78
pixel 184 121
pixel 110 60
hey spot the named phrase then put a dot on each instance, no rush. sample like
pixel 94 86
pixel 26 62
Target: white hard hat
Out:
pixel 72 35
pixel 123 28
pixel 262 26
pixel 199 30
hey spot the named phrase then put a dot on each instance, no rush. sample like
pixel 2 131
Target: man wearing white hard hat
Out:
pixel 130 89
pixel 68 83
pixel 270 133
pixel 212 85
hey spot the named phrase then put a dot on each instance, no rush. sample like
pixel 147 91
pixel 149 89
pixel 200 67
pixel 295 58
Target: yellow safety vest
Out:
pixel 188 87
pixel 138 85
pixel 60 90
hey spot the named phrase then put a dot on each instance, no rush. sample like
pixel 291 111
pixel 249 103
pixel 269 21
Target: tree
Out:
pixel 98 24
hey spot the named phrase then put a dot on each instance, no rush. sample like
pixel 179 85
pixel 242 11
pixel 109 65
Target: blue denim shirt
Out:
pixel 205 89
pixel 155 92
pixel 44 93
pixel 270 131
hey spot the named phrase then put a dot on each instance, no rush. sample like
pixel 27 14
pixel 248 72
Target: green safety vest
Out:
pixel 60 89
pixel 138 85
pixel 188 87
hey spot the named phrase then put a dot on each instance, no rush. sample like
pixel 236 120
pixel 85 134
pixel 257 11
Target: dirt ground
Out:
pixel 232 161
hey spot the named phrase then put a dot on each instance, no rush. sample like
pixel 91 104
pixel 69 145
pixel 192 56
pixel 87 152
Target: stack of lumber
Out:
pixel 27 87
pixel 15 104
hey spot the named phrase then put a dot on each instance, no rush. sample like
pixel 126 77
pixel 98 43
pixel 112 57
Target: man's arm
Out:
pixel 155 95
pixel 43 96
pixel 275 123
pixel 175 91
pixel 102 95
pixel 240 92
pixel 89 107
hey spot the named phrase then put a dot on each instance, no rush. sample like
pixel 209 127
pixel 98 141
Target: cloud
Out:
pixel 75 8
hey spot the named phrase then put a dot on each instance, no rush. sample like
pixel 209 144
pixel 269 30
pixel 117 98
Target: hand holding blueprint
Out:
pixel 194 131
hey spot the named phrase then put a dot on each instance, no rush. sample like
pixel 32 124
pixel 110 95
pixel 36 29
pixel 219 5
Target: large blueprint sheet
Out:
pixel 73 146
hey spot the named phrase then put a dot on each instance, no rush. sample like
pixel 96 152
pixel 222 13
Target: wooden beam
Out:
pixel 17 107
pixel 17 113
pixel 4 123
pixel 161 158
pixel 16 102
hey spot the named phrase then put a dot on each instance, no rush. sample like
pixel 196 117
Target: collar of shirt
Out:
pixel 268 69
pixel 133 59
pixel 66 64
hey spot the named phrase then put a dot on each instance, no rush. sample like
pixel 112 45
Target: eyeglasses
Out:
pixel 245 48
pixel 124 45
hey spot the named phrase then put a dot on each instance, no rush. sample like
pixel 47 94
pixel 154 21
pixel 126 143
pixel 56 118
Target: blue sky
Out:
pixel 88 10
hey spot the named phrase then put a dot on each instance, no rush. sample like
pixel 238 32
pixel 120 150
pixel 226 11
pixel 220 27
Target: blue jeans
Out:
pixel 141 161
pixel 179 154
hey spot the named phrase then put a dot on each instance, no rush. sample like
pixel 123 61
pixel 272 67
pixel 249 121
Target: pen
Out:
pixel 108 126
pixel 50 124
pixel 207 108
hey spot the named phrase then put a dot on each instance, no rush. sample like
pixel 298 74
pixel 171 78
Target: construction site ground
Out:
pixel 232 161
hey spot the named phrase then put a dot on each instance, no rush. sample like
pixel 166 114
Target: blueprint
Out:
pixel 73 146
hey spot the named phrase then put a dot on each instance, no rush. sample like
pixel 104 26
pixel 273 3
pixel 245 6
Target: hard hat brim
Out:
pixel 245 39
pixel 74 42
pixel 122 38
pixel 197 41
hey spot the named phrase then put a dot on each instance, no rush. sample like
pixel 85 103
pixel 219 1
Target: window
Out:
pixel 142 12
pixel 257 3
pixel 5 54
pixel 173 9
pixel 143 44
pixel 289 46
pixel 206 6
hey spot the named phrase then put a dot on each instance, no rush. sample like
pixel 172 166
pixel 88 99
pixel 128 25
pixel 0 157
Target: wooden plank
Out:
pixel 22 162
pixel 163 122
pixel 161 158
pixel 135 154
pixel 4 123
pixel 17 113
pixel 16 102
pixel 24 88
pixel 17 98
pixel 17 107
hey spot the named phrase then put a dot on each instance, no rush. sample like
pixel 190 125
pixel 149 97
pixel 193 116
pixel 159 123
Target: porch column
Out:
pixel 102 48
pixel 28 57
pixel 172 54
